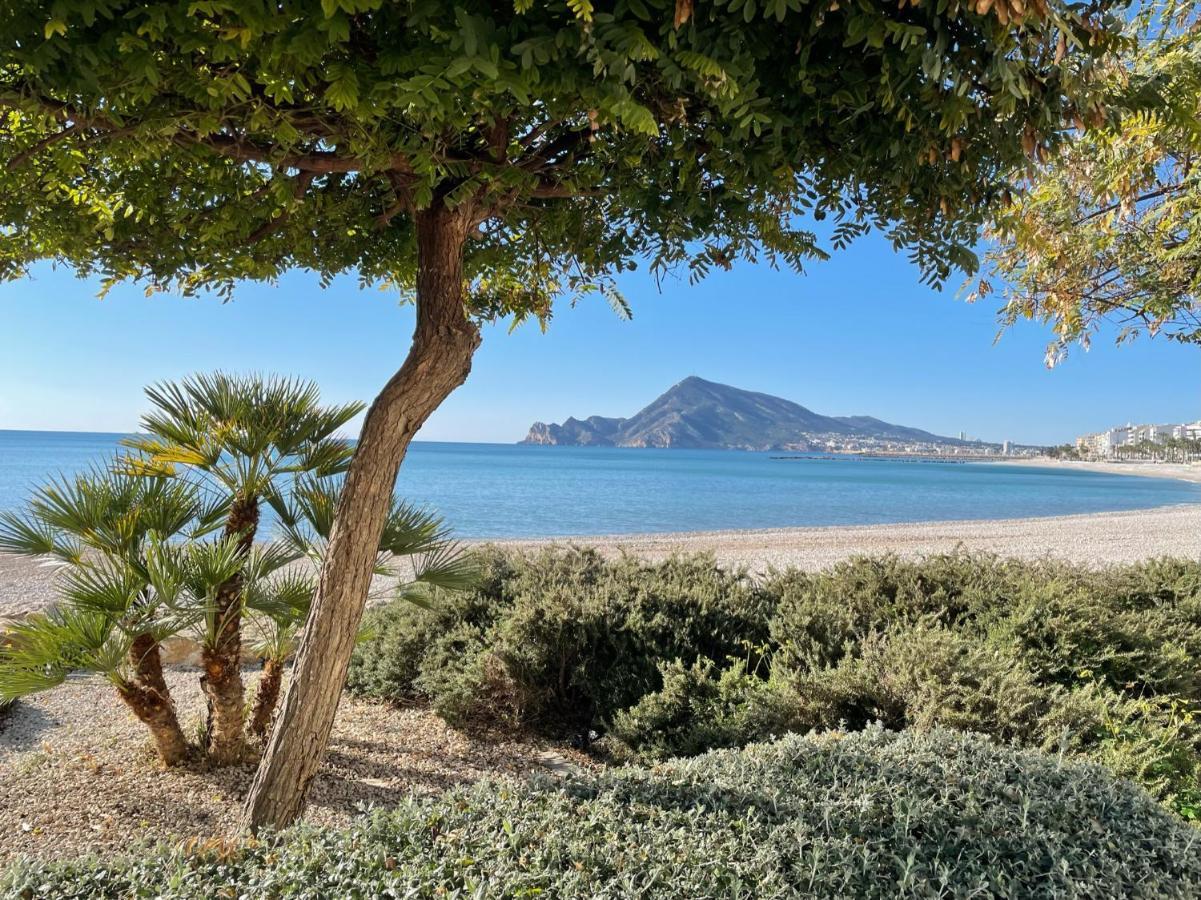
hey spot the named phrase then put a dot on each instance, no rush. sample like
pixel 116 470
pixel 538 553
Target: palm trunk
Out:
pixel 439 360
pixel 266 697
pixel 222 658
pixel 149 698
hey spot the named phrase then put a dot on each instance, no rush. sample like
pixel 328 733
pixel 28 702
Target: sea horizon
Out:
pixel 492 491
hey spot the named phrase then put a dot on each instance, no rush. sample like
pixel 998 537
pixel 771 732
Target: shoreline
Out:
pixel 1094 539
pixel 1190 472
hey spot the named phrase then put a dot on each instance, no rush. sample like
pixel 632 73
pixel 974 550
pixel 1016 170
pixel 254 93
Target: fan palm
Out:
pixel 106 530
pixel 242 440
pixel 416 552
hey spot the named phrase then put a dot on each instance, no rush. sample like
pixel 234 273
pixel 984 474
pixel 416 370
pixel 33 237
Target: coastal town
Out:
pixel 1181 442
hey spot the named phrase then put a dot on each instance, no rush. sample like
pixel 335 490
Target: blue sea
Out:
pixel 505 490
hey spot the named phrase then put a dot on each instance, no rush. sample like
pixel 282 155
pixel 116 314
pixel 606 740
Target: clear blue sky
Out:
pixel 858 334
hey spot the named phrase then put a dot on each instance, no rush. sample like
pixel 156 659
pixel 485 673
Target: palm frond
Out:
pixel 323 458
pixel 40 652
pixel 211 514
pixel 109 588
pixel 314 503
pixel 324 423
pixel 267 559
pixel 246 430
pixel 411 530
pixel 206 565
pixel 448 566
pixel 285 599
pixel 29 536
pixel 105 509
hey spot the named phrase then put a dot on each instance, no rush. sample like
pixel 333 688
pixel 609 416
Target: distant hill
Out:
pixel 701 414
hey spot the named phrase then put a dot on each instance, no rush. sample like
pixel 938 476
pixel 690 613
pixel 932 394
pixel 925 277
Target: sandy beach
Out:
pixel 1178 471
pixel 1094 539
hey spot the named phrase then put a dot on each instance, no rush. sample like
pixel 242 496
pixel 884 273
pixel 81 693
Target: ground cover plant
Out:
pixel 650 660
pixel 871 814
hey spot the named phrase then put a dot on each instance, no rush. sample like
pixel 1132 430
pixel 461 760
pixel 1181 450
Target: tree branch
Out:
pixel 547 155
pixel 1150 195
pixel 404 200
pixel 25 155
pixel 299 187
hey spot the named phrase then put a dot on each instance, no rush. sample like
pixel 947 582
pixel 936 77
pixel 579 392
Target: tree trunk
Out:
pixel 439 360
pixel 222 678
pixel 266 697
pixel 149 698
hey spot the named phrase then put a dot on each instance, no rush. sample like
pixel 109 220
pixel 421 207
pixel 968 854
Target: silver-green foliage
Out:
pixel 868 815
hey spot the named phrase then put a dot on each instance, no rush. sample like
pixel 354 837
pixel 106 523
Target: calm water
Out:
pixel 501 490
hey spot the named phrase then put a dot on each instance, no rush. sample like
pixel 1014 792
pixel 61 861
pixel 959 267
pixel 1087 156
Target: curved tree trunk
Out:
pixel 266 697
pixel 438 362
pixel 149 698
pixel 222 678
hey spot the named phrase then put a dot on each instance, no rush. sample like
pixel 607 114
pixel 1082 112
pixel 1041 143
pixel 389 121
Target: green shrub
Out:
pixel 924 674
pixel 870 815
pixel 679 657
pixel 401 637
pixel 912 676
pixel 821 617
pixel 699 709
pixel 564 639
pixel 1110 628
pixel 1150 740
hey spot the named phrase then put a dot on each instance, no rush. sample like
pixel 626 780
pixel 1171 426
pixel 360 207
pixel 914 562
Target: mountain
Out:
pixel 701 414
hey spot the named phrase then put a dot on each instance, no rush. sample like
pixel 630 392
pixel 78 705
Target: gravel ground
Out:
pixel 77 772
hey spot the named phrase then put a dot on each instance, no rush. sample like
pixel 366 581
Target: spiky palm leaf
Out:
pixel 243 432
pixel 280 606
pixel 285 598
pixel 447 567
pixel 107 587
pixel 29 536
pixel 42 651
pixel 417 548
pixel 104 510
pixel 203 567
pixel 115 532
pixel 267 559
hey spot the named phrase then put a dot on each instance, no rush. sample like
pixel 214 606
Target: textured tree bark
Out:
pixel 439 360
pixel 266 697
pixel 222 678
pixel 149 698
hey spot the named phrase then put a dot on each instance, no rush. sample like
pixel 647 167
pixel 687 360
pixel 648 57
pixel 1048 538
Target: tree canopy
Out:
pixel 1106 231
pixel 188 144
pixel 489 157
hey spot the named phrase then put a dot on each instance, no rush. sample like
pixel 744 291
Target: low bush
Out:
pixel 873 814
pixel 679 657
pixel 699 708
pixel 560 640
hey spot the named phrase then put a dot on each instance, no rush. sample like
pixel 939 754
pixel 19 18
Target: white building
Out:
pixel 1106 443
pixel 1189 432
pixel 1155 434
